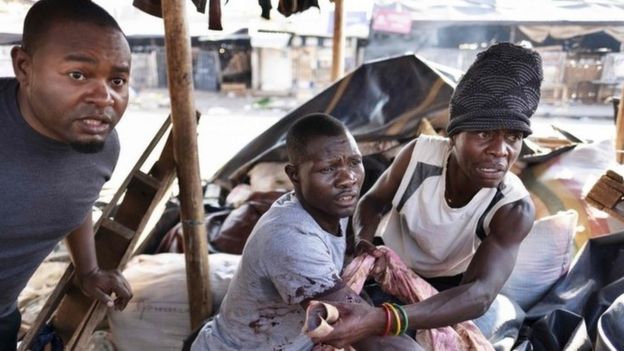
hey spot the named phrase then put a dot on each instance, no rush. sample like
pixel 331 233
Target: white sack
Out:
pixel 157 318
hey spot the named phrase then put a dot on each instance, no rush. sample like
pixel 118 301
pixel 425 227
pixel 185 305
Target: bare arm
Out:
pixel 372 205
pixel 487 273
pixel 363 341
pixel 484 278
pixel 92 280
pixel 81 247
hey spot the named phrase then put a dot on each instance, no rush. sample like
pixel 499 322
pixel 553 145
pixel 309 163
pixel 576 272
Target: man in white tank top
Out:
pixel 456 213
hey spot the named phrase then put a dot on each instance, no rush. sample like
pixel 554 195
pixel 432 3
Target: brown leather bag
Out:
pixel 228 230
pixel 239 223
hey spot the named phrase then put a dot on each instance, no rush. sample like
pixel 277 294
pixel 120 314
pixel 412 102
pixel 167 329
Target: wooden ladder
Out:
pixel 74 315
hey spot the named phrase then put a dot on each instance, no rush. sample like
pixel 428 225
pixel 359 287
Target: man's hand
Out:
pixel 365 246
pixel 357 321
pixel 100 284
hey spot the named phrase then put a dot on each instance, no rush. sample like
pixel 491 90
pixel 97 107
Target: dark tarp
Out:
pixel 567 317
pixel 382 100
pixel 610 334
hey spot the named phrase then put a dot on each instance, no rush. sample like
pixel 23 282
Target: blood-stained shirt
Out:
pixel 288 258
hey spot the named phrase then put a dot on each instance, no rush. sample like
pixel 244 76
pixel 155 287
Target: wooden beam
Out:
pixel 338 56
pixel 180 78
pixel 619 131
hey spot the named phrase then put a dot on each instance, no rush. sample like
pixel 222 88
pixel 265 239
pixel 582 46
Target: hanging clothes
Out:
pixel 266 8
pixel 288 7
pixel 154 8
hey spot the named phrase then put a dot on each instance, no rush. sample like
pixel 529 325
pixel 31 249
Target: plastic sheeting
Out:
pixel 382 100
pixel 567 317
pixel 611 327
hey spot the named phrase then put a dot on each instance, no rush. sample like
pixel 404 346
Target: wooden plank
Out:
pixel 607 193
pixel 180 78
pixel 338 41
pixel 137 166
pixel 113 251
pixel 147 180
pixel 81 337
pixel 118 228
pixel 48 308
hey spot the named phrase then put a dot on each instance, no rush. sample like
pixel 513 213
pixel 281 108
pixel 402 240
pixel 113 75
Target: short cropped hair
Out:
pixel 307 128
pixel 44 13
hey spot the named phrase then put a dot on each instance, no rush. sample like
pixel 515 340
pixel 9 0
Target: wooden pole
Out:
pixel 339 41
pixel 180 78
pixel 619 131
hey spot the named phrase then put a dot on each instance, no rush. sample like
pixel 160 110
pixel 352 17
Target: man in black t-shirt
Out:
pixel 58 147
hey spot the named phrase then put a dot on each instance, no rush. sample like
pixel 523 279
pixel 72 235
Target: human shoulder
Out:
pixel 513 183
pixel 7 84
pixel 513 221
pixel 287 209
pixel 432 141
pixel 425 141
pixel 112 143
pixel 424 145
pixel 110 154
pixel 427 148
pixel 286 218
pixel 8 96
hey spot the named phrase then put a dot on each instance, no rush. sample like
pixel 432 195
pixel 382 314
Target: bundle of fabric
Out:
pixel 398 280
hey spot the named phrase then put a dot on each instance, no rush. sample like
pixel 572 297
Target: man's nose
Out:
pixel 346 177
pixel 498 146
pixel 100 93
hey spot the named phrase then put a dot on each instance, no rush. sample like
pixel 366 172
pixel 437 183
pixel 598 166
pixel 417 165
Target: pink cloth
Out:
pixel 400 281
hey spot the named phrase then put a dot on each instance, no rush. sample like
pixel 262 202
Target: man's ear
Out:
pixel 22 64
pixel 291 172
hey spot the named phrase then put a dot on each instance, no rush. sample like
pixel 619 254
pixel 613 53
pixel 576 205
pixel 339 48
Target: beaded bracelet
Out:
pixel 404 315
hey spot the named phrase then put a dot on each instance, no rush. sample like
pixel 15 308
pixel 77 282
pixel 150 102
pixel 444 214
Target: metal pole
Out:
pixel 180 78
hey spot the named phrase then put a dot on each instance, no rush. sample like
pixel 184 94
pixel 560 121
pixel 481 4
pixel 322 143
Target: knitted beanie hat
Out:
pixel 500 90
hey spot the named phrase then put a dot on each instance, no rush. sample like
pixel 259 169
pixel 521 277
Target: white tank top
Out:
pixel 431 237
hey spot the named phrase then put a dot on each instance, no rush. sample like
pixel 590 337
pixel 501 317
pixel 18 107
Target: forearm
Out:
pixel 367 217
pixel 458 304
pixel 487 273
pixel 81 245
